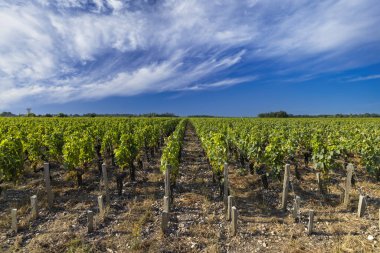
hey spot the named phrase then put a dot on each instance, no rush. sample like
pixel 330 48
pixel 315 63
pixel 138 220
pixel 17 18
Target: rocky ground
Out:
pixel 197 221
pixel 263 227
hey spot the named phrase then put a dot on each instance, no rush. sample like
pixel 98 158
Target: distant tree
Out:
pixel 282 114
pixel 7 114
pixel 167 114
pixel 92 115
pixel 200 116
pixel 279 114
pixel 61 115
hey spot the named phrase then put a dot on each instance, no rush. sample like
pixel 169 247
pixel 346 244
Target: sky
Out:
pixel 216 57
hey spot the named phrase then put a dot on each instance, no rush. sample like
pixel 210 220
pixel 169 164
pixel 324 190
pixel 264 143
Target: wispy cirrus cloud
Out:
pixel 219 84
pixel 364 78
pixel 58 51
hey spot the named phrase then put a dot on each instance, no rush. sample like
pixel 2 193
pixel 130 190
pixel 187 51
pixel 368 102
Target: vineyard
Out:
pixel 189 185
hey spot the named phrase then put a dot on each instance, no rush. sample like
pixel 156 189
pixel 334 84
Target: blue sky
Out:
pixel 221 57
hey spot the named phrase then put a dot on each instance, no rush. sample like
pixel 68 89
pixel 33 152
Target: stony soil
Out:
pixel 197 219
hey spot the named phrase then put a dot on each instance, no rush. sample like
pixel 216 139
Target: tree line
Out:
pixel 283 114
pixel 91 115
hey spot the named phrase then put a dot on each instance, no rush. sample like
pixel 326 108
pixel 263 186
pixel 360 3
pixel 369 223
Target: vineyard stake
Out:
pixel 234 220
pixel 320 185
pixel 361 205
pixel 164 222
pixel 350 169
pixel 341 194
pixel 166 204
pixel 226 185
pixel 105 180
pixel 14 220
pixel 296 209
pixel 50 196
pixel 310 225
pixel 33 203
pixel 231 201
pixel 167 182
pixel 285 189
pixel 90 221
pixel 101 205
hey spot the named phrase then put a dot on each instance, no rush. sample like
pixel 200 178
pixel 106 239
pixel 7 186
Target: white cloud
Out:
pixel 115 4
pixel 322 27
pixel 220 84
pixel 66 50
pixel 23 41
pixel 364 78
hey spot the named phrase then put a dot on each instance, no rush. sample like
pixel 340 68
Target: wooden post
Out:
pixel 320 184
pixel 33 203
pixel 14 220
pixel 105 181
pixel 90 221
pixel 164 222
pixel 226 185
pixel 361 206
pixel 167 181
pixel 231 202
pixel 350 169
pixel 341 194
pixel 49 193
pixel 310 225
pixel 234 221
pixel 296 208
pixel 379 219
pixel 101 205
pixel 285 186
pixel 166 204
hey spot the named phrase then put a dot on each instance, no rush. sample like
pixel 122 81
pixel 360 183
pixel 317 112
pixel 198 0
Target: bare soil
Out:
pixel 197 221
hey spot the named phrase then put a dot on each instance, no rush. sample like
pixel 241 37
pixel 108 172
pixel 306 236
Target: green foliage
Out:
pixel 275 151
pixel 325 151
pixel 54 142
pixel 214 143
pixel 71 151
pixel 280 114
pixel 11 159
pixel 61 115
pixel 78 151
pixel 87 151
pixel 216 149
pixel 269 142
pixel 35 147
pixel 275 142
pixel 256 144
pixel 127 151
pixel 370 153
pixel 172 151
pixel 75 141
pixel 109 143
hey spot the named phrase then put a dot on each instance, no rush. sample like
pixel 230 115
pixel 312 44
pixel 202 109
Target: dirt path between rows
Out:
pixel 197 218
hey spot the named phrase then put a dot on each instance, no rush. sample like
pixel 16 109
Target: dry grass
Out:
pixel 351 243
pixel 336 229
